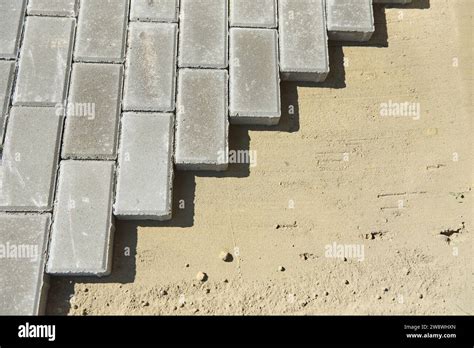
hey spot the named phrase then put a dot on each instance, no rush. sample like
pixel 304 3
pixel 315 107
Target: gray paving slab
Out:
pixel 12 14
pixel 154 11
pixel 203 34
pixel 202 124
pixel 108 18
pixel 82 230
pixel 7 74
pixel 145 167
pixel 23 244
pixel 150 76
pixel 30 159
pixel 254 82
pixel 303 40
pixel 93 112
pixel 66 8
pixel 350 20
pixel 253 13
pixel 45 61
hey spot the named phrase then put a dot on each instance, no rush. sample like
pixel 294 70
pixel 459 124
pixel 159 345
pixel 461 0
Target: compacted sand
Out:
pixel 334 174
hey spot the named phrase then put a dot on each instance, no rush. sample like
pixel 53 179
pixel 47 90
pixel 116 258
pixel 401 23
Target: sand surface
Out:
pixel 334 171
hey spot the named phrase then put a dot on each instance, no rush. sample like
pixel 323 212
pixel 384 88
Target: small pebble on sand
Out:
pixel 281 269
pixel 201 276
pixel 225 256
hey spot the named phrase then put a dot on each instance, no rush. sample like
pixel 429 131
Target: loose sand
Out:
pixel 333 172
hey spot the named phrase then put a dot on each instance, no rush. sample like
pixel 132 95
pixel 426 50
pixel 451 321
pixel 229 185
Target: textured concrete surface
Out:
pixel 154 11
pixel 30 158
pixel 303 40
pixel 150 76
pixel 45 61
pixel 201 123
pixel 82 230
pixel 93 111
pixel 253 13
pixel 350 20
pixel 23 244
pixel 203 34
pixel 11 23
pixel 109 18
pixel 145 167
pixel 254 86
pixel 7 75
pixel 66 8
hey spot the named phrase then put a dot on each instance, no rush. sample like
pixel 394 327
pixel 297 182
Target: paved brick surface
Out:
pixel 82 230
pixel 143 46
pixel 7 71
pixel 23 243
pixel 93 111
pixel 145 167
pixel 253 13
pixel 66 8
pixel 254 86
pixel 45 61
pixel 12 13
pixel 28 170
pixel 150 76
pixel 109 18
pixel 303 40
pixel 155 11
pixel 202 123
pixel 350 20
pixel 203 34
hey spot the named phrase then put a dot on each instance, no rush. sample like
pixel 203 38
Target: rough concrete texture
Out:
pixel 203 34
pixel 23 244
pixel 254 86
pixel 7 74
pixel 253 13
pixel 93 111
pixel 202 124
pixel 303 40
pixel 53 7
pixel 109 18
pixel 154 11
pixel 350 20
pixel 82 231
pixel 150 76
pixel 145 167
pixel 30 159
pixel 45 61
pixel 11 22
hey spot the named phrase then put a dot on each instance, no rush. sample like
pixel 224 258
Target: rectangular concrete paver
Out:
pixel 101 31
pixel 150 76
pixel 154 11
pixel 303 40
pixel 254 86
pixel 7 71
pixel 145 167
pixel 23 244
pixel 67 8
pixel 350 20
pixel 30 158
pixel 202 120
pixel 253 13
pixel 45 61
pixel 203 34
pixel 93 111
pixel 12 13
pixel 82 231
